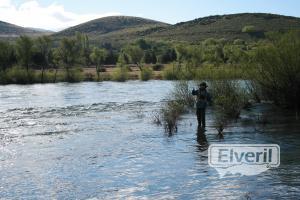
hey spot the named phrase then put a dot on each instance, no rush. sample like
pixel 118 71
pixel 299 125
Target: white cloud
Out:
pixel 52 17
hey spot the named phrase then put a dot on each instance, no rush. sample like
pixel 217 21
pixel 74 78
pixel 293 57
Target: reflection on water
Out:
pixel 97 140
pixel 201 139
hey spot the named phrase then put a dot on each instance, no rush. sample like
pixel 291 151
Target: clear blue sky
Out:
pixel 173 11
pixel 170 11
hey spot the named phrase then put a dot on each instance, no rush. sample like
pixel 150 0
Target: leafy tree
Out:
pixel 234 54
pixel 24 50
pixel 168 55
pixel 213 51
pixel 69 54
pixel 143 44
pixel 182 53
pixel 55 61
pixel 83 44
pixel 124 58
pixel 7 55
pixel 136 54
pixel 43 45
pixel 111 58
pixel 98 56
pixel 149 57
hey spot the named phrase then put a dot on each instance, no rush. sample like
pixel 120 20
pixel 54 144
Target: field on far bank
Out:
pixel 133 73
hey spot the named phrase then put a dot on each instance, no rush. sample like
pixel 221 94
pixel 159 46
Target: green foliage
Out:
pixel 229 99
pixel 210 72
pixel 235 53
pixel 180 101
pixel 168 55
pixel 146 73
pixel 83 45
pixel 73 75
pixel 44 45
pixel 136 53
pixel 170 114
pixel 182 94
pixel 19 75
pixel 149 57
pixel 249 29
pixel 143 44
pixel 124 58
pixel 24 50
pixel 98 57
pixel 171 72
pixel 278 70
pixel 178 72
pixel 68 52
pixel 120 74
pixel 7 55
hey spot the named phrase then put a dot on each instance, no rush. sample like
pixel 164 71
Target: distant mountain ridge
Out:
pixel 8 30
pixel 123 29
pixel 227 26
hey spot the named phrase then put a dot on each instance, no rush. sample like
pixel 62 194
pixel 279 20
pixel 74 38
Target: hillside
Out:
pixel 227 26
pixel 119 30
pixel 113 29
pixel 8 30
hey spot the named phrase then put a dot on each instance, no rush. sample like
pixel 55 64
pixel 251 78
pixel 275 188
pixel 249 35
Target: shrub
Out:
pixel 146 73
pixel 179 72
pixel 120 74
pixel 19 75
pixel 182 94
pixel 278 70
pixel 171 73
pixel 73 75
pixel 180 101
pixel 249 29
pixel 170 114
pixel 229 98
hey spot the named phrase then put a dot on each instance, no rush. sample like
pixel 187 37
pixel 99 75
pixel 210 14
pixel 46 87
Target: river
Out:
pixel 98 141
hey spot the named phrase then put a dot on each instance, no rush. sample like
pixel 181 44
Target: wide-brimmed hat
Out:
pixel 203 84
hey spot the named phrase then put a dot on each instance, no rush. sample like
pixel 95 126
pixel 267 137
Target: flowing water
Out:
pixel 98 140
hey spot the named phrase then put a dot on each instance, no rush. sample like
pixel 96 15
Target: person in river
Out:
pixel 203 97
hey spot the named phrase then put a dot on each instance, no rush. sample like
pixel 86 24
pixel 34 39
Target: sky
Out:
pixel 56 15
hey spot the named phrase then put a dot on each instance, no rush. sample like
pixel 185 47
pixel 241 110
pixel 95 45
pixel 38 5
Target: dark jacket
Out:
pixel 203 97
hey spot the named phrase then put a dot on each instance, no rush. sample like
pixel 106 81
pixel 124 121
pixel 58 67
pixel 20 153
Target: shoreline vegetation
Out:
pixel 271 66
pixel 18 75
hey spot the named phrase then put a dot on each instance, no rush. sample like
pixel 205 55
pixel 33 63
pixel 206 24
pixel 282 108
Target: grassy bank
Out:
pixel 19 75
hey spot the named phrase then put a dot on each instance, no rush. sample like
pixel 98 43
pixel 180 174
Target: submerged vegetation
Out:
pixel 180 101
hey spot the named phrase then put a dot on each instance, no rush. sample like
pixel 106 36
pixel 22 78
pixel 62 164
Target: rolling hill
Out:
pixel 227 26
pixel 119 30
pixel 112 24
pixel 114 29
pixel 8 30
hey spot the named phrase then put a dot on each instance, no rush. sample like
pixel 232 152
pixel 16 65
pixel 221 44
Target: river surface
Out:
pixel 98 141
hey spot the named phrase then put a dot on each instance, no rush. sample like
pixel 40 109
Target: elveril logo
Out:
pixel 243 159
